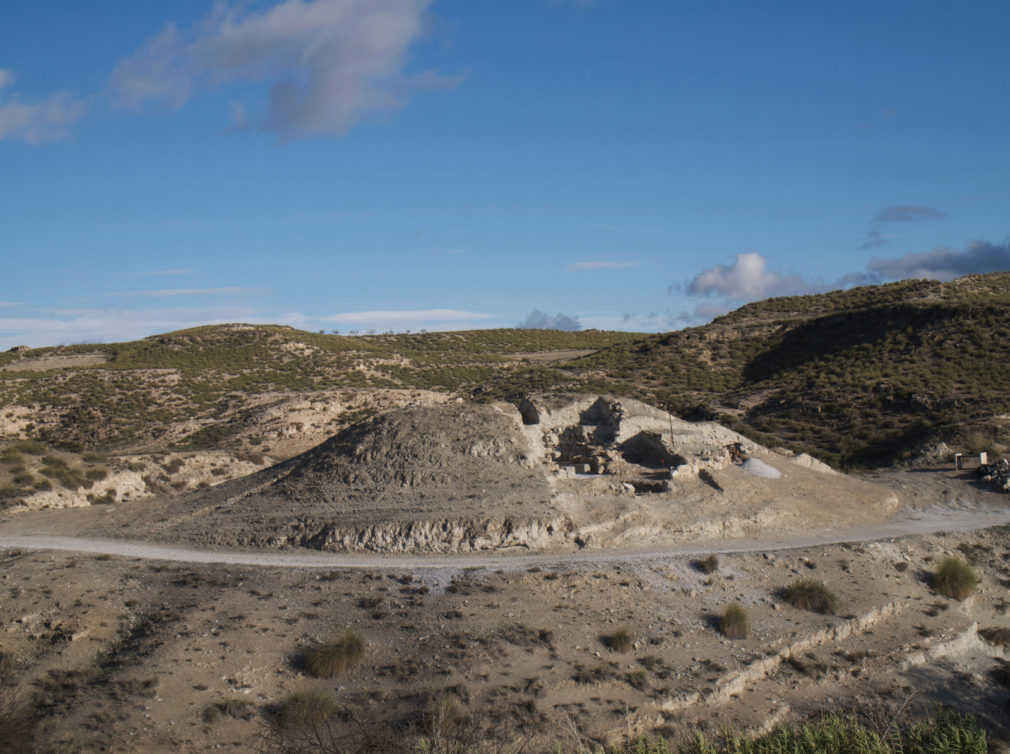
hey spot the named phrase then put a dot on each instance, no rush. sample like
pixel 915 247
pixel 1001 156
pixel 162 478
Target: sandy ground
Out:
pixel 126 655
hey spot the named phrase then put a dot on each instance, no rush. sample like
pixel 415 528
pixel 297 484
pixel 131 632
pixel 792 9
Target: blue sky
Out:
pixel 404 164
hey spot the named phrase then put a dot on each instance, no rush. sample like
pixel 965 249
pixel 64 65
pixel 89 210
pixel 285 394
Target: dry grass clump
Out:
pixel 305 709
pixel 954 578
pixel 809 594
pixel 709 564
pixel 326 660
pixel 734 623
pixel 619 641
pixel 999 637
pixel 241 709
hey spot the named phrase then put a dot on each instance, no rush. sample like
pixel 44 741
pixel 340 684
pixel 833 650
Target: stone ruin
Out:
pixel 997 474
pixel 627 438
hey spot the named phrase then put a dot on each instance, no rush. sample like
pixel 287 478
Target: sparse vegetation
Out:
pixel 999 637
pixel 331 658
pixel 734 622
pixel 947 732
pixel 237 708
pixel 954 578
pixel 709 564
pixel 620 640
pixel 812 595
pixel 306 709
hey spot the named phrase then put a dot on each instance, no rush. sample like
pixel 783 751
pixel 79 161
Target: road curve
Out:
pixel 958 517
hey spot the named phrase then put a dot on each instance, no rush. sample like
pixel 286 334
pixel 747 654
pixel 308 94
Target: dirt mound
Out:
pixel 457 477
pixel 432 453
pixel 550 474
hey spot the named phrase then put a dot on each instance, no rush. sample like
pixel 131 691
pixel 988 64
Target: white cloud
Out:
pixel 36 121
pixel 171 292
pixel 328 63
pixel 110 325
pixel 602 265
pixel 6 304
pixel 748 279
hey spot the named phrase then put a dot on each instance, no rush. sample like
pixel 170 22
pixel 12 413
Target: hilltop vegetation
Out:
pixel 859 377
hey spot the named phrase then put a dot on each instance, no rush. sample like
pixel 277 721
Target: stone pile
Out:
pixel 997 474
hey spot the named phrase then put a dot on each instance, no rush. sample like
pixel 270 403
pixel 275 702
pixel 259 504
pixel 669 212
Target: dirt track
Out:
pixel 959 516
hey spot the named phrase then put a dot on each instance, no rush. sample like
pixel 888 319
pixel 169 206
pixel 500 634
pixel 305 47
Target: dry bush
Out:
pixel 999 637
pixel 17 723
pixel 709 564
pixel 619 641
pixel 809 594
pixel 954 578
pixel 326 660
pixel 306 709
pixel 734 623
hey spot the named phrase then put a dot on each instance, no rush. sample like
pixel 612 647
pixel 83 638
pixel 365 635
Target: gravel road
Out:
pixel 957 515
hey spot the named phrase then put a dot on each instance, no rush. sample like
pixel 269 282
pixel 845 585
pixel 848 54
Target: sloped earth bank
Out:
pixel 556 475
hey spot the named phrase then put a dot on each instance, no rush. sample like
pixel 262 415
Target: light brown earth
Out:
pixel 500 619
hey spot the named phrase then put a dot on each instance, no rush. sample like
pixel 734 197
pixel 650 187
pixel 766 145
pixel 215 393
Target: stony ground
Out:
pixel 124 655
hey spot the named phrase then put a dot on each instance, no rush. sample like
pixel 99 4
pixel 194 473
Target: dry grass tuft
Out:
pixel 619 641
pixel 326 660
pixel 734 623
pixel 709 564
pixel 305 709
pixel 955 579
pixel 809 594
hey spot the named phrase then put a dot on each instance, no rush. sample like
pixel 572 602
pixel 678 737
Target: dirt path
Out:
pixel 951 516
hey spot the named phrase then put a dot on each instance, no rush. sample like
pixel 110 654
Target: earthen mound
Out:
pixel 552 473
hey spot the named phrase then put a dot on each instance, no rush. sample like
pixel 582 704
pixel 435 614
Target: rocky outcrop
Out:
pixel 458 535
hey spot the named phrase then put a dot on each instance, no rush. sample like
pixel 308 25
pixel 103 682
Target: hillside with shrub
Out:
pixel 860 377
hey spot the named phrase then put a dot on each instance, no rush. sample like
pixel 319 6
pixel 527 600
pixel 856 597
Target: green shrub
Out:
pixel 306 709
pixel 808 594
pixel 734 622
pixel 326 660
pixel 954 578
pixel 619 641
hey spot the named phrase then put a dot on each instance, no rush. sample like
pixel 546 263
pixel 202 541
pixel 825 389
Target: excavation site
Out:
pixel 556 474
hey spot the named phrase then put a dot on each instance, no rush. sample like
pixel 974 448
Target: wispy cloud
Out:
pixel 390 318
pixel 61 327
pixel 181 271
pixel 327 63
pixel 538 320
pixel 943 263
pixel 170 292
pixel 650 322
pixel 877 235
pixel 907 213
pixel 8 304
pixel 37 121
pixel 602 265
